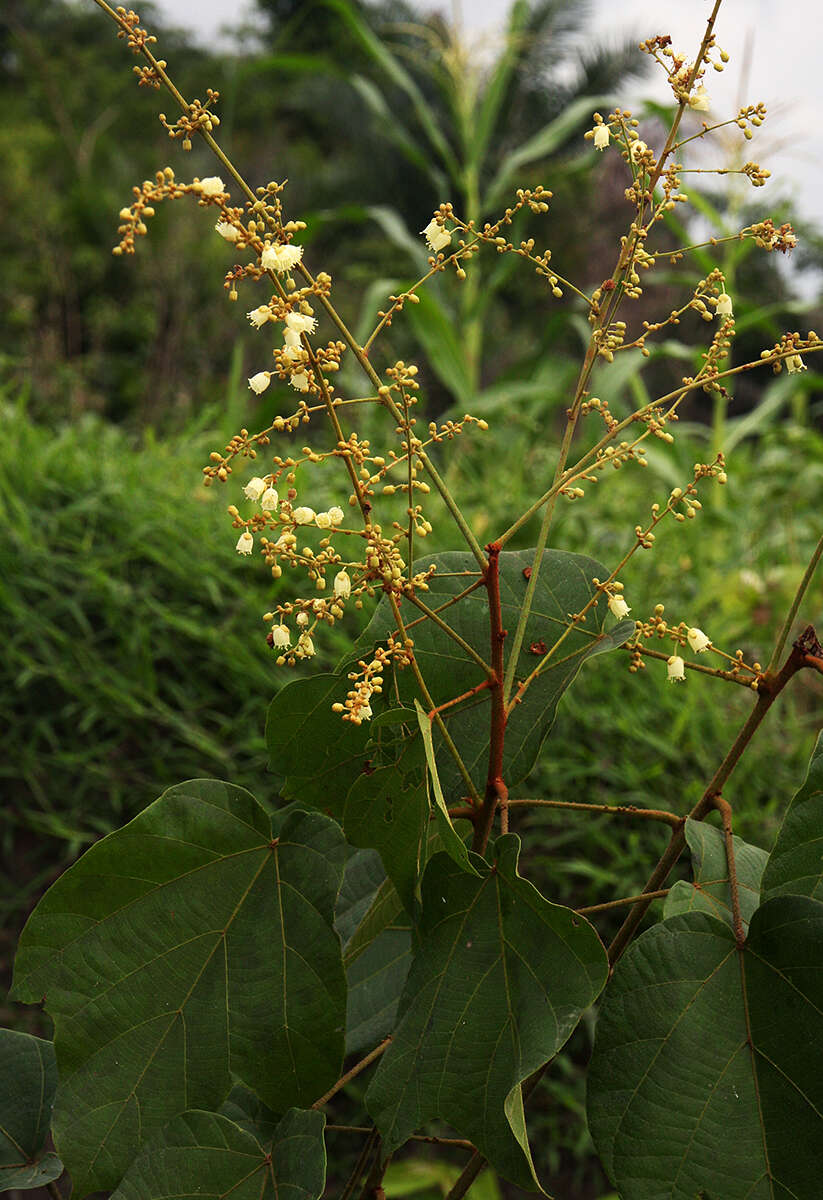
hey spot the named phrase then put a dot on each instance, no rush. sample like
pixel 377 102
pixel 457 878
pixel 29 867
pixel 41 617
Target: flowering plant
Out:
pixel 213 966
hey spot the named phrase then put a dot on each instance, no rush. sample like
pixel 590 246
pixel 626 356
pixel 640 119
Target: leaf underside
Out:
pixel 28 1079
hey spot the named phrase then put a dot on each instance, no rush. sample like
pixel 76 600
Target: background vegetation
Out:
pixel 134 655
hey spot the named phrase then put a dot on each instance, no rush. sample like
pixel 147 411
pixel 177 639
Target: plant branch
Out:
pixel 355 1070
pixel 360 1166
pixel 769 689
pixel 452 633
pixel 802 588
pixel 725 810
pixel 462 1143
pixel 612 810
pixel 623 901
pixel 496 790
pixel 430 704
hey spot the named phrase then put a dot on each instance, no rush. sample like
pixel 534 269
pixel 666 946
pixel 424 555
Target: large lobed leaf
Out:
pixel 564 586
pixel 796 862
pixel 706 1076
pixel 709 892
pixel 498 982
pixel 28 1079
pixel 184 937
pixel 206 1155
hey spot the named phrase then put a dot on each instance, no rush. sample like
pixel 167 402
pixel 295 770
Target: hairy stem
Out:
pixel 355 1070
pixel 496 790
pixel 612 810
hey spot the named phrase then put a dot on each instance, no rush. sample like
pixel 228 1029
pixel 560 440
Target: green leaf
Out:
pixel 397 74
pixel 435 330
pixel 710 891
pixel 320 754
pixel 453 844
pixel 375 981
pixel 205 1154
pixel 796 863
pixel 706 1077
pixel 542 144
pixel 564 586
pixel 29 1078
pixel 382 913
pixel 381 953
pixel 497 86
pixel 389 812
pixel 248 1111
pixel 498 982
pixel 171 954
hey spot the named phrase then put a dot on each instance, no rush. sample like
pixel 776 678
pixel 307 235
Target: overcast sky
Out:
pixel 776 58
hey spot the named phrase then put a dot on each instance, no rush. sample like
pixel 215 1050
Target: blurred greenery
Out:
pixel 134 652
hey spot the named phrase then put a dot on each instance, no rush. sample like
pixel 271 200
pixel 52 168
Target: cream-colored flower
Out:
pixel 212 185
pixel 280 256
pixel 304 515
pixel 601 137
pixel 794 363
pixel 437 237
pixel 245 543
pixel 700 100
pixel 637 149
pixel 291 338
pixel 281 638
pixel 254 489
pixel 676 669
pixel 724 305
pixel 302 619
pixel 269 500
pixel 342 585
pixel 259 382
pixel 259 316
pixel 228 231
pixel 336 515
pixel 304 647
pixel 299 323
pixel 618 607
pixel 323 520
pixel 698 641
pixel 300 381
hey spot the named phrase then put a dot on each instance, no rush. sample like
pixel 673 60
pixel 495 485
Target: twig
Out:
pixel 356 1069
pixel 770 688
pixel 622 902
pixel 461 1143
pixel 612 810
pixel 792 613
pixel 725 810
pixel 360 1165
pixel 496 790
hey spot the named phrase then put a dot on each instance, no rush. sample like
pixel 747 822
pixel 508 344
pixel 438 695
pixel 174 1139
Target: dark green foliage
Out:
pixel 706 1072
pixel 29 1078
pixel 184 935
pixel 208 1155
pixel 795 865
pixel 709 892
pixel 499 979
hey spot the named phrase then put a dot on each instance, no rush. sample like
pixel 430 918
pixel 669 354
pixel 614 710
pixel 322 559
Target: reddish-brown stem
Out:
pixel 479 687
pixel 356 1069
pixel 725 810
pixel 769 689
pixel 496 790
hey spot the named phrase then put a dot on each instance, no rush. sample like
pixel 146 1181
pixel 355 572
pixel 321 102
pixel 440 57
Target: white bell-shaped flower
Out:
pixel 259 382
pixel 618 607
pixel 437 237
pixel 254 489
pixel 675 669
pixel 342 585
pixel 245 543
pixel 280 257
pixel 698 641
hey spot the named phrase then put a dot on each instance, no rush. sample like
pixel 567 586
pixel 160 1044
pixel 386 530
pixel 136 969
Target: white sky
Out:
pixel 775 57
